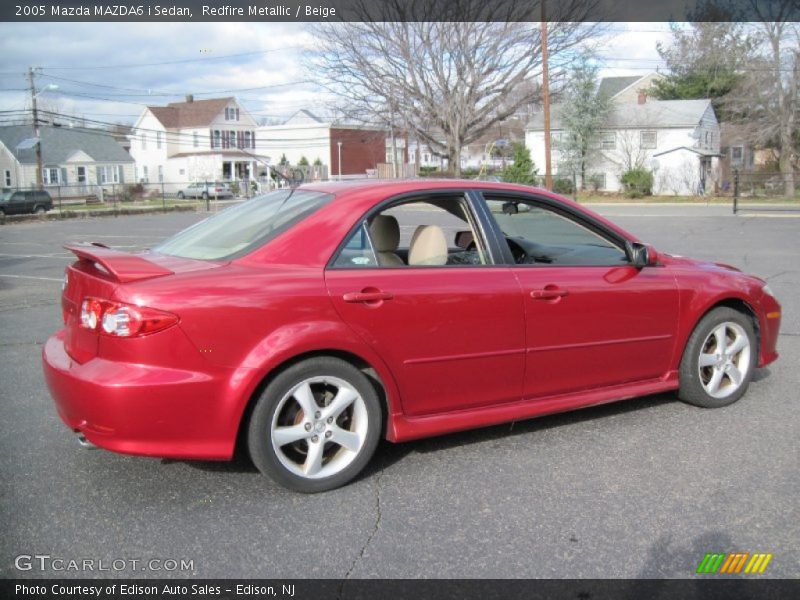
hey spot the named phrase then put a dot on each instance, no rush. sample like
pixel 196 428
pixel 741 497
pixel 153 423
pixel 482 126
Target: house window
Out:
pixel 216 139
pixel 145 177
pixel 608 140
pixel 181 171
pixel 232 138
pixel 158 139
pixel 8 178
pixel 426 158
pixel 160 173
pixel 555 138
pixel 647 139
pixel 195 140
pixel 110 174
pixel 144 141
pixel 247 140
pixel 231 114
pixel 51 176
pixel 737 155
pixel 81 174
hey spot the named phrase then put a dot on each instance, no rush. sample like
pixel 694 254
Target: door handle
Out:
pixel 548 294
pixel 367 297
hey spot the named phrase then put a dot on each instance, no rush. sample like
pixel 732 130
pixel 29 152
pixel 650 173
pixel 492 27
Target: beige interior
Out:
pixel 428 247
pixel 385 233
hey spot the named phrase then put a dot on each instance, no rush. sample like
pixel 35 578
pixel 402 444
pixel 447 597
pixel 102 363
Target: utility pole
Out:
pixel 548 169
pixel 39 182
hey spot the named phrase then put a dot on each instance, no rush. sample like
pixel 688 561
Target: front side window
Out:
pixel 431 232
pixel 242 228
pixel 540 236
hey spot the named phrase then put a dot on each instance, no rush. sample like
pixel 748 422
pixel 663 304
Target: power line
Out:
pixel 171 62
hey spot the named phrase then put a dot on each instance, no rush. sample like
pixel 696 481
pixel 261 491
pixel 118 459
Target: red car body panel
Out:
pixel 455 348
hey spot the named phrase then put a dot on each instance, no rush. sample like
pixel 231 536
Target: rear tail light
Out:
pixel 117 319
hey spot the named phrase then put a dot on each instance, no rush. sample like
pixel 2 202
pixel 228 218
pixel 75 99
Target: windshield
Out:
pixel 240 229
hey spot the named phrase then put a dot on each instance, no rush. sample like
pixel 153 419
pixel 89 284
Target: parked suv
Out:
pixel 25 201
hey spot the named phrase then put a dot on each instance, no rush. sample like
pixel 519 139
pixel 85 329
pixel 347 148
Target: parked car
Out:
pixel 25 201
pixel 308 323
pixel 205 190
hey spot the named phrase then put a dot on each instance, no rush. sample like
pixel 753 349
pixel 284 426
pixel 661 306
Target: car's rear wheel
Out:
pixel 180 195
pixel 719 359
pixel 315 426
pixel 39 210
pixel 204 195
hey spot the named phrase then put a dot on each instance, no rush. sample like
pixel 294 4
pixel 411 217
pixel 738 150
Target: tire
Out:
pixel 710 378
pixel 181 196
pixel 325 451
pixel 39 210
pixel 204 195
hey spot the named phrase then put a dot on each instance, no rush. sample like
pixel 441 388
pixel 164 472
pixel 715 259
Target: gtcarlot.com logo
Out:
pixel 734 563
pixel 46 562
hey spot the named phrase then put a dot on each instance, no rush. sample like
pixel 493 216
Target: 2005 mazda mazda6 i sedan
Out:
pixel 308 323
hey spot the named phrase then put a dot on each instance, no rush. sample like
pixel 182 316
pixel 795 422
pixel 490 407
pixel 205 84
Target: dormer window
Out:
pixel 231 113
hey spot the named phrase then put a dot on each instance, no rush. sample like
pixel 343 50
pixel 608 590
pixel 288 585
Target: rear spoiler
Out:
pixel 122 266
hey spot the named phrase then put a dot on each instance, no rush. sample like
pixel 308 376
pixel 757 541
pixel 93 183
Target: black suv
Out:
pixel 25 201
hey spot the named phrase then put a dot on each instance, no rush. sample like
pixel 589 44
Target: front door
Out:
pixel 446 320
pixel 592 319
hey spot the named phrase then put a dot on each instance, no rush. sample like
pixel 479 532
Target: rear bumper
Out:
pixel 143 409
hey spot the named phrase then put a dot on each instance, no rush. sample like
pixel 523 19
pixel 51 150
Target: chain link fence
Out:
pixel 765 190
pixel 133 197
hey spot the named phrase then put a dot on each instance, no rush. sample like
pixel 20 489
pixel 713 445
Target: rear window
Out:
pixel 240 229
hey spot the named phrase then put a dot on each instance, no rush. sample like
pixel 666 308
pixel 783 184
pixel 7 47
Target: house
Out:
pixel 678 140
pixel 361 148
pixel 626 89
pixel 73 159
pixel 195 140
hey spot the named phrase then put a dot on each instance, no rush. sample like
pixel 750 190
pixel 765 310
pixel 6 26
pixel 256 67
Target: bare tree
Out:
pixel 628 153
pixel 446 82
pixel 766 102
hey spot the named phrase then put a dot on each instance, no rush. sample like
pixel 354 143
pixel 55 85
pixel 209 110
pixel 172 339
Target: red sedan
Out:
pixel 309 323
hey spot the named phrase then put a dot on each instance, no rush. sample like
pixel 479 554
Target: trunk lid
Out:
pixel 99 272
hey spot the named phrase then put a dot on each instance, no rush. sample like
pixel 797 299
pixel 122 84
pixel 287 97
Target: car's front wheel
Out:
pixel 316 425
pixel 181 195
pixel 719 359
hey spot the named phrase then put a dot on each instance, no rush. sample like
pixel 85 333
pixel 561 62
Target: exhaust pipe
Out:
pixel 84 443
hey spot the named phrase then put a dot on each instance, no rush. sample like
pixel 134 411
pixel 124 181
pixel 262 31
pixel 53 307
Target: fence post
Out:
pixel 163 198
pixel 735 190
pixel 208 199
pixel 59 201
pixel 574 186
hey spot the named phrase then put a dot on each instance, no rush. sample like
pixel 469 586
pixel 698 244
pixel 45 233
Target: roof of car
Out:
pixel 399 186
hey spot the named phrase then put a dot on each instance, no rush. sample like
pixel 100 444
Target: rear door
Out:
pixel 592 319
pixel 451 330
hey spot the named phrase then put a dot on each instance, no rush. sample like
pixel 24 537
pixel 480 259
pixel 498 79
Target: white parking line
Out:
pixel 37 255
pixel 32 277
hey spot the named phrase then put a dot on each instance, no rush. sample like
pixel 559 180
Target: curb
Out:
pixel 85 214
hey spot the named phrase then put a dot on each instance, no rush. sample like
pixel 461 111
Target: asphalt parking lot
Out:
pixel 641 488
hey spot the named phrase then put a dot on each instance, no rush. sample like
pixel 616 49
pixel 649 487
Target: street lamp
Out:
pixel 340 159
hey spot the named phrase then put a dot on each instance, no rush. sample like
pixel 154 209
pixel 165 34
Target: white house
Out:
pixel 73 159
pixel 678 140
pixel 343 149
pixel 195 140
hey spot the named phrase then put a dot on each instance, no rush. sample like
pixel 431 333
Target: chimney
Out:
pixel 642 97
pixel 190 98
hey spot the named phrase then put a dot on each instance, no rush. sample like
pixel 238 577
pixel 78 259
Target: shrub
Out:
pixel 638 182
pixel 523 169
pixel 563 185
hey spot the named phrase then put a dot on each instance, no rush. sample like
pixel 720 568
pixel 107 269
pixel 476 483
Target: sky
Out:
pixel 110 71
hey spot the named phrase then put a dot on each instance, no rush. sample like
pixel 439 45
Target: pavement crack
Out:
pixel 376 526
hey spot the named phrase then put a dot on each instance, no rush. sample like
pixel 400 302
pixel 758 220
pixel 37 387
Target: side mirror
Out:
pixel 464 239
pixel 641 255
